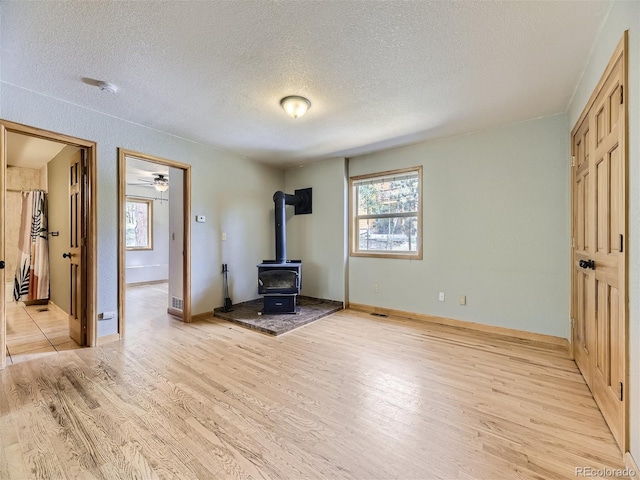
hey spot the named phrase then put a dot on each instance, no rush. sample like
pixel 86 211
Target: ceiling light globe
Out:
pixel 161 183
pixel 295 105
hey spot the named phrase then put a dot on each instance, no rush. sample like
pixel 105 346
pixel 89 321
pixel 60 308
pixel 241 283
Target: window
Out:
pixel 139 222
pixel 386 214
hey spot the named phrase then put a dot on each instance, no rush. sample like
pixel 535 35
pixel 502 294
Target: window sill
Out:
pixel 400 256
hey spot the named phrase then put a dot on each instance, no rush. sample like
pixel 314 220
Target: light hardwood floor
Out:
pixel 348 396
pixel 36 331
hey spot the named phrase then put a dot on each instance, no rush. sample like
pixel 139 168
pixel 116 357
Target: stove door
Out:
pixel 278 281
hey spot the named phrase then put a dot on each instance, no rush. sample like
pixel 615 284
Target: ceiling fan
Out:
pixel 160 182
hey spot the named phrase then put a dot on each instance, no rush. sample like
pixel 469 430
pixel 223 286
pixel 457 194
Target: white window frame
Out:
pixel 354 182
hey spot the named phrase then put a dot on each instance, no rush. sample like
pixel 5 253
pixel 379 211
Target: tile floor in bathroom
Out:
pixel 35 331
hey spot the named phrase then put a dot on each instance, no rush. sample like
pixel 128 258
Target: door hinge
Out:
pixel 573 242
pixel 573 160
pixel 621 243
pixel 572 323
pixel 621 94
pixel 621 391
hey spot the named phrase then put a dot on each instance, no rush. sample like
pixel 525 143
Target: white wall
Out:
pixel 496 229
pixel 151 265
pixel 623 16
pixel 319 239
pixel 232 191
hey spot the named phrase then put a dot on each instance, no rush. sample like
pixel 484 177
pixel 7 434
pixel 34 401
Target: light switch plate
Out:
pixel 201 218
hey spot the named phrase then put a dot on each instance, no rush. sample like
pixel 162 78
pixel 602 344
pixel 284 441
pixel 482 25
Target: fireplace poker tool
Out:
pixel 225 282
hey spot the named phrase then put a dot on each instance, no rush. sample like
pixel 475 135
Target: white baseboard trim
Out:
pixel 148 282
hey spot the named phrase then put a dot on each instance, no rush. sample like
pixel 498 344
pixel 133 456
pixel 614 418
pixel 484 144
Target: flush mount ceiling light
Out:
pixel 161 183
pixel 107 87
pixel 295 105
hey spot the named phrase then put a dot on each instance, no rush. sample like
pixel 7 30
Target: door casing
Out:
pixel 186 258
pixel 91 215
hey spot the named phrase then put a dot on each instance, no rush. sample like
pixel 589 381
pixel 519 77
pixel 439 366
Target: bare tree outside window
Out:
pixel 138 224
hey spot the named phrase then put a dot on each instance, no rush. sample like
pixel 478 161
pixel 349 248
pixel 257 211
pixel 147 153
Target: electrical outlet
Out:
pixel 463 299
pixel 441 296
pixel 376 289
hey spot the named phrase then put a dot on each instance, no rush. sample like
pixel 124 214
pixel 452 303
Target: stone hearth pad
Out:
pixel 246 314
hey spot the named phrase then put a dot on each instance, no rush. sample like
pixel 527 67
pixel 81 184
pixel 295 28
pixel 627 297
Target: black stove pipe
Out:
pixel 281 200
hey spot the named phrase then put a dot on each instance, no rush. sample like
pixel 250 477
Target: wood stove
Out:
pixel 279 280
pixel 280 283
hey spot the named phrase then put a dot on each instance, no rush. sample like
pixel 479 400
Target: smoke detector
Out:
pixel 107 87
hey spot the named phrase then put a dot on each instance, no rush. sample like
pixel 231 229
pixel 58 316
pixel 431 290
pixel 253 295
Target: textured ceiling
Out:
pixel 378 74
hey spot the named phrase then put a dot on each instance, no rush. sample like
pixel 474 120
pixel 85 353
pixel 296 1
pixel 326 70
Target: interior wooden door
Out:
pixel 610 272
pixel 77 239
pixel 582 278
pixel 599 255
pixel 3 323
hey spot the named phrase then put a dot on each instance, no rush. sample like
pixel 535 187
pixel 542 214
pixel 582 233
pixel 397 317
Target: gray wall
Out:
pixel 623 16
pixel 219 179
pixel 58 198
pixel 496 229
pixel 151 265
pixel 319 239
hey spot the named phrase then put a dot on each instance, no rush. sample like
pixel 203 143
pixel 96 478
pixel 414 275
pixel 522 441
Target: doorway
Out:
pixel 38 162
pixel 154 248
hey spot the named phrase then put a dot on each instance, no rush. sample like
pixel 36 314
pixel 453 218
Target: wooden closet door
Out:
pixel 610 272
pixel 582 278
pixel 599 285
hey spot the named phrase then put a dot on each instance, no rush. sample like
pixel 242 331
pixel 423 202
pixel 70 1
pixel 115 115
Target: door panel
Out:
pixel 616 208
pixel 599 289
pixel 603 327
pixel 582 278
pixel 77 303
pixel 610 263
pixel 602 203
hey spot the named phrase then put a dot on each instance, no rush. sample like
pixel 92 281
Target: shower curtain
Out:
pixel 32 273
